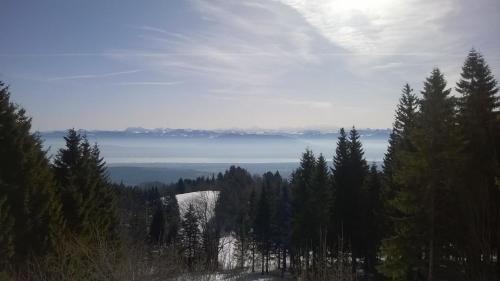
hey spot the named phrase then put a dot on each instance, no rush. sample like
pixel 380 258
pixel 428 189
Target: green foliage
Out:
pixel 30 214
pixel 157 227
pixel 423 205
pixel 6 232
pixel 190 235
pixel 173 219
pixel 479 197
pixel 88 199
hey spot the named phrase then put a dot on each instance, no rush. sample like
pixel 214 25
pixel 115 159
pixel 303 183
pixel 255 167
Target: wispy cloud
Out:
pixel 149 83
pixel 380 26
pixel 91 76
pixel 245 42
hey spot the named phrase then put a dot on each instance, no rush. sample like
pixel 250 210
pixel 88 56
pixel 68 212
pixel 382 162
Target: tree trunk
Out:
pixel 283 268
pixel 431 242
pixel 279 257
pixel 267 261
pixel 253 257
pixel 262 262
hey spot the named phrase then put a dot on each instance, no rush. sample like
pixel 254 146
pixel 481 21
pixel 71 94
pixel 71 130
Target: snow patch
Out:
pixel 203 202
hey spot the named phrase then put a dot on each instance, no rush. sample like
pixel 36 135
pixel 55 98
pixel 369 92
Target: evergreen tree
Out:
pixel 252 213
pixel 30 209
pixel 173 219
pixel 353 217
pixel 301 223
pixel 425 201
pixel 399 140
pixel 6 232
pixel 89 203
pixel 479 200
pixel 285 224
pixel 190 235
pixel 181 187
pixel 263 225
pixel 399 254
pixel 340 185
pixel 372 217
pixel 318 209
pixel 157 228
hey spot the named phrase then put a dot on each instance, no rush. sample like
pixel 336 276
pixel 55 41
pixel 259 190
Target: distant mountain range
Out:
pixel 225 134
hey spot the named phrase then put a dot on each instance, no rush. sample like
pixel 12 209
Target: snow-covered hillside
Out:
pixel 202 201
pixel 204 204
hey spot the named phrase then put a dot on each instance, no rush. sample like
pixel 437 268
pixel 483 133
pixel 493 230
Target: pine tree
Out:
pixel 89 202
pixel 157 228
pixel 285 226
pixel 426 199
pixel 372 218
pixel 478 105
pixel 190 235
pixel 6 232
pixel 301 225
pixel 340 185
pixel 399 140
pixel 353 220
pixel 252 213
pixel 318 209
pixel 181 187
pixel 399 254
pixel 263 225
pixel 173 220
pixel 31 210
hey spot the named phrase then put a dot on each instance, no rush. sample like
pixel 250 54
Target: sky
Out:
pixel 220 64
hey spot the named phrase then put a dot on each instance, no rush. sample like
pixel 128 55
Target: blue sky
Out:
pixel 225 64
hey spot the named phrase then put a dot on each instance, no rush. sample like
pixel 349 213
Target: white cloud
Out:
pixel 149 83
pixel 375 27
pixel 90 76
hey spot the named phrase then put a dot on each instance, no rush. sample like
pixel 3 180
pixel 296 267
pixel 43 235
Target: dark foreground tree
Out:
pixel 157 227
pixel 479 197
pixel 87 197
pixel 30 212
pixel 425 203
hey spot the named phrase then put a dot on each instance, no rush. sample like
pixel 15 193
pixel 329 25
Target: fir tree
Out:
pixel 173 220
pixel 480 198
pixel 425 201
pixel 318 209
pixel 353 217
pixel 285 224
pixel 400 255
pixel 263 225
pixel 6 232
pixel 190 235
pixel 157 228
pixel 301 190
pixel 89 203
pixel 399 140
pixel 372 217
pixel 340 184
pixel 30 208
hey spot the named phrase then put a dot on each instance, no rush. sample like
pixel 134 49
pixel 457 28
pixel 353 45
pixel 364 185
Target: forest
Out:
pixel 431 212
